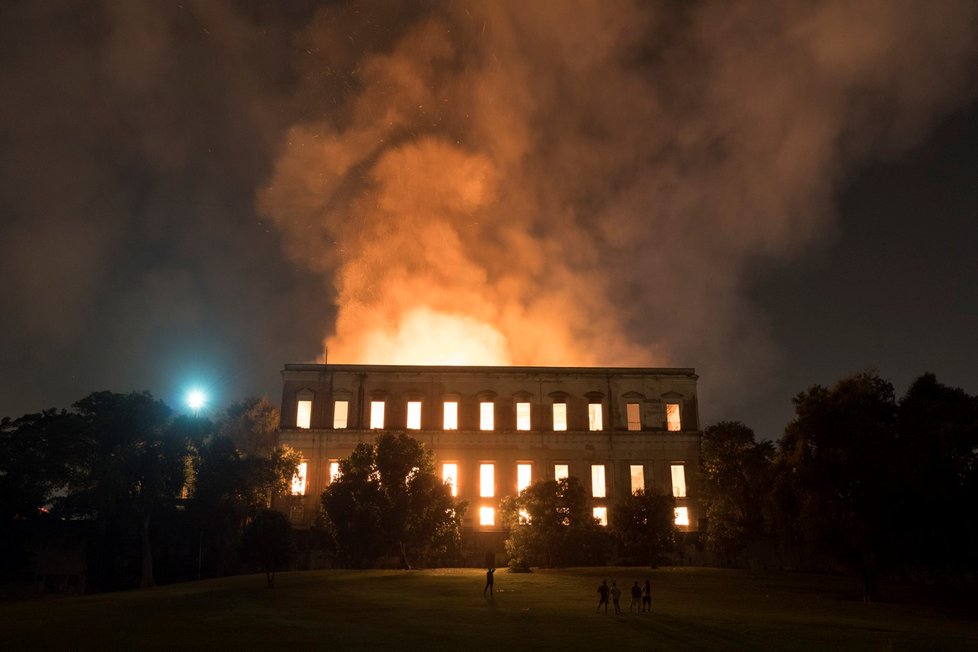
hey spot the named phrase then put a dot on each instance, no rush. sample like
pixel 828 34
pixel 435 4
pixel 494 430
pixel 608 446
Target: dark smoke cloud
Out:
pixel 132 138
pixel 591 181
pixel 226 185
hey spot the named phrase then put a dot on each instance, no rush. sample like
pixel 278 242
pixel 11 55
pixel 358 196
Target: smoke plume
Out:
pixel 578 183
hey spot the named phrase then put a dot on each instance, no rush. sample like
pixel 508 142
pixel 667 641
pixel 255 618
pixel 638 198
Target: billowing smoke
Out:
pixel 502 182
pixel 576 183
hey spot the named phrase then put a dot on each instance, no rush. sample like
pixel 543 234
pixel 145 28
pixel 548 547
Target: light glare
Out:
pixel 196 399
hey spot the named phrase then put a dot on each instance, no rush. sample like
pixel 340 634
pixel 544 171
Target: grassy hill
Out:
pixel 693 608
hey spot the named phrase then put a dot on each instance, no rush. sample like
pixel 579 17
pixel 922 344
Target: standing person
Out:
pixel 616 596
pixel 489 573
pixel 647 596
pixel 602 596
pixel 636 597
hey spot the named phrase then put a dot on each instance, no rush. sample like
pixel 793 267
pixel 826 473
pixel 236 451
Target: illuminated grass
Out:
pixel 445 610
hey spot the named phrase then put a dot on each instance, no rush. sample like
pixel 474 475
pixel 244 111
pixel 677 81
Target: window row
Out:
pixel 487 413
pixel 524 478
pixel 487 516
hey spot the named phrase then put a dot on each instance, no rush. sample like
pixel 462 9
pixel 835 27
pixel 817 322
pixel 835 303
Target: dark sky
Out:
pixel 892 288
pixel 200 192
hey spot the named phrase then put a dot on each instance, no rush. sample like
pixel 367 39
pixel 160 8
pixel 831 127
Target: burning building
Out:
pixel 495 430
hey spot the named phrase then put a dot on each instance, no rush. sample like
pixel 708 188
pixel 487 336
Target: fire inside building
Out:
pixel 495 430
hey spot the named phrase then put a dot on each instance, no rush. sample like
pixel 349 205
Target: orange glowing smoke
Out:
pixel 584 182
pixel 427 270
pixel 423 336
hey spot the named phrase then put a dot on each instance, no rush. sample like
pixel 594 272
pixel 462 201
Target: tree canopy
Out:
pixel 251 424
pixel 551 524
pixel 829 459
pixel 736 477
pixel 938 431
pixel 268 544
pixel 859 480
pixel 136 476
pixel 645 526
pixel 127 463
pixel 387 500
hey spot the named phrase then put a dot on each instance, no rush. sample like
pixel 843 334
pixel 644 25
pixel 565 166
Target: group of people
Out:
pixel 641 596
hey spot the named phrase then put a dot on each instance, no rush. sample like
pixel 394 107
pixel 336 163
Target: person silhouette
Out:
pixel 489 579
pixel 616 596
pixel 602 596
pixel 636 597
pixel 647 596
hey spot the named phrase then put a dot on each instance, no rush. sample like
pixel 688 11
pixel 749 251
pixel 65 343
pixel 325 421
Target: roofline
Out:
pixel 449 369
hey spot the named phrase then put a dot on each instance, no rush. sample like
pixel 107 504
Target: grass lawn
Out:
pixel 693 608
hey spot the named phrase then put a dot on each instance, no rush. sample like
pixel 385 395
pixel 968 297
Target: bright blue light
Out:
pixel 196 399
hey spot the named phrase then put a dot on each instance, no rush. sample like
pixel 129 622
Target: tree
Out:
pixel 353 507
pixel 550 524
pixel 938 430
pixel 231 487
pixel 268 544
pixel 645 525
pixel 836 491
pixel 129 462
pixel 238 472
pixel 388 500
pixel 124 463
pixel 736 473
pixel 252 424
pixel 37 452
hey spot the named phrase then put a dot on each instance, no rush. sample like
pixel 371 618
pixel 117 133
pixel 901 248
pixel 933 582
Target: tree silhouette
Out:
pixel 737 475
pixel 268 544
pixel 131 463
pixel 231 487
pixel 556 528
pixel 938 430
pixel 645 525
pixel 836 463
pixel 387 500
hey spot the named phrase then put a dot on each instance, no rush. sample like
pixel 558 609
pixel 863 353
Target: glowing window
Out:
pixel 678 480
pixel 522 416
pixel 299 480
pixel 561 471
pixel 673 423
pixel 303 414
pixel 634 415
pixel 601 515
pixel 560 416
pixel 450 421
pixel 449 474
pixel 487 483
pixel 682 515
pixel 637 473
pixel 376 415
pixel 487 412
pixel 524 516
pixel 414 415
pixel 487 516
pixel 597 481
pixel 334 471
pixel 341 411
pixel 523 474
pixel 594 419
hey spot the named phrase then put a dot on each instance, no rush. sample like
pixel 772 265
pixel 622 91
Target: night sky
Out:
pixel 777 194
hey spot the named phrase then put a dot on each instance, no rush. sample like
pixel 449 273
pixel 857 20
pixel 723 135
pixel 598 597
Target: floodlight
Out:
pixel 196 399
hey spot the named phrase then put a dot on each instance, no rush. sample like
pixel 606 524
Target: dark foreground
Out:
pixel 693 608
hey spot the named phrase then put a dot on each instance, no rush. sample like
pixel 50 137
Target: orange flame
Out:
pixel 425 336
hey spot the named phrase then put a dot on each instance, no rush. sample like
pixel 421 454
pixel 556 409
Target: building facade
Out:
pixel 495 430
